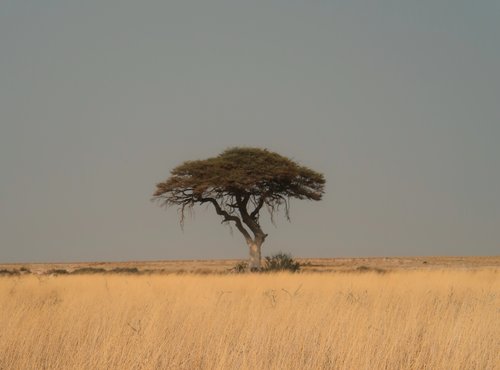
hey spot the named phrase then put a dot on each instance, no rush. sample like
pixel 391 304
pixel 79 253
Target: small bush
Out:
pixel 57 272
pixel 124 270
pixel 281 262
pixel 25 270
pixel 89 270
pixel 202 271
pixel 364 268
pixel 240 267
pixel 9 272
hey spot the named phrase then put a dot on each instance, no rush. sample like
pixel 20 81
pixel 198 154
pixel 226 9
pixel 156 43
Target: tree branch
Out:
pixel 259 205
pixel 228 217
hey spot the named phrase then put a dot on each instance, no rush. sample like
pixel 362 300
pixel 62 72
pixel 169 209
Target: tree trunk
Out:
pixel 255 256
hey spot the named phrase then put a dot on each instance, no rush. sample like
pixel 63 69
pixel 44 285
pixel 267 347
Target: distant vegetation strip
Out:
pixel 135 271
pixel 277 262
pixel 78 271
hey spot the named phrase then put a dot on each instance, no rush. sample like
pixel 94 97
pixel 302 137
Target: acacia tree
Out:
pixel 238 183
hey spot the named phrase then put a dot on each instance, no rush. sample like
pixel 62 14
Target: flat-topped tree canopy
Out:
pixel 239 182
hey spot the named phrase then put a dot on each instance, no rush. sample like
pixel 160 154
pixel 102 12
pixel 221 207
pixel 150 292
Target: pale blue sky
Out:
pixel 397 103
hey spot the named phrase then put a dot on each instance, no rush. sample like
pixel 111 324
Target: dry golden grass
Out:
pixel 432 319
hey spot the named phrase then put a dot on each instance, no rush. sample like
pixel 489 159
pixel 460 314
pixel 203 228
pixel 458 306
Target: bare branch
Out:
pixel 259 205
pixel 227 217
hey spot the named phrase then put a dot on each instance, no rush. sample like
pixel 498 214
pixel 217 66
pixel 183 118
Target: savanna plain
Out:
pixel 420 313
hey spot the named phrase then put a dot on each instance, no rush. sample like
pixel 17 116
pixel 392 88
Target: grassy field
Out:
pixel 428 318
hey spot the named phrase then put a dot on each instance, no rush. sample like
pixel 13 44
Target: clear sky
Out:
pixel 397 103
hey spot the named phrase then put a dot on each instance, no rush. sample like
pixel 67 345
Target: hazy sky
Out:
pixel 397 103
